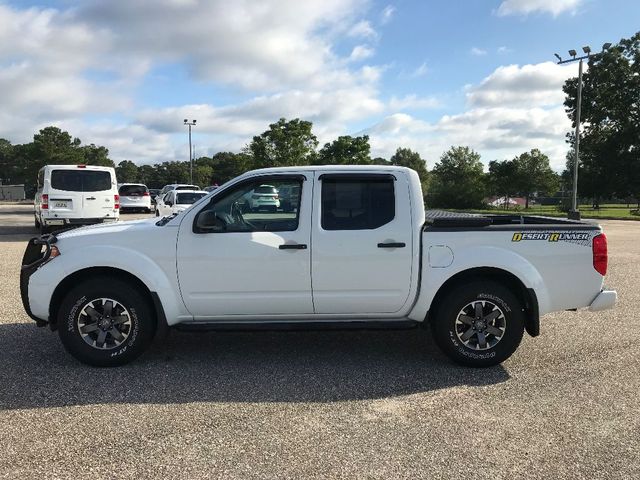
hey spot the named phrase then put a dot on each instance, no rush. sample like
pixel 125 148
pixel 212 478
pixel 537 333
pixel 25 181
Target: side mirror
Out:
pixel 209 221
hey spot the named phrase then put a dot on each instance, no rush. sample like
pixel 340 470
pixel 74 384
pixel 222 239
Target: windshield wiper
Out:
pixel 164 220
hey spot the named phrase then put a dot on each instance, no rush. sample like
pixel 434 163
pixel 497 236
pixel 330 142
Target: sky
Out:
pixel 425 75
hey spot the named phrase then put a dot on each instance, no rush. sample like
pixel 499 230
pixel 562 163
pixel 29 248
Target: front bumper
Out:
pixel 606 299
pixel 34 257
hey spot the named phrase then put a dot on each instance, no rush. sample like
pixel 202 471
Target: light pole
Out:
pixel 574 213
pixel 191 123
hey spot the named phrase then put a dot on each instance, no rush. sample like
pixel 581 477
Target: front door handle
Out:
pixel 91 198
pixel 293 246
pixel 392 245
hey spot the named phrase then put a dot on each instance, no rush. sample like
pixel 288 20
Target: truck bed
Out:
pixel 442 220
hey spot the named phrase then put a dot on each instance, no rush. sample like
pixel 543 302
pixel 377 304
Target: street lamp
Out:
pixel 191 123
pixel 574 213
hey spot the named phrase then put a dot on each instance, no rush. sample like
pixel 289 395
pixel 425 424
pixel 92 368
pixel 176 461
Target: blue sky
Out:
pixel 418 74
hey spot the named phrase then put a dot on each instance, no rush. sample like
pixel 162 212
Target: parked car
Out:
pixel 73 195
pixel 176 186
pixel 134 196
pixel 153 193
pixel 263 197
pixel 361 251
pixel 178 200
pixel 210 188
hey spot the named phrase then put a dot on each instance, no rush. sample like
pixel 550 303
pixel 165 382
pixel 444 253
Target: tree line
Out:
pixel 456 181
pixel 609 156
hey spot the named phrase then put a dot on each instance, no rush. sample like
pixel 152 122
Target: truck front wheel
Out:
pixel 478 324
pixel 105 322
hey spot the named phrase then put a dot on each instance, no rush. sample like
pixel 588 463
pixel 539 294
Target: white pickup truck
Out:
pixel 355 250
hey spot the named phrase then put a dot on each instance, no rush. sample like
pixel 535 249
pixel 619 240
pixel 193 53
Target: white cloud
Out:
pixel 413 102
pixel 525 7
pixel 514 109
pixel 420 71
pixel 529 85
pixel 361 52
pixel 478 51
pixel 496 133
pixel 387 14
pixel 363 29
pixel 504 49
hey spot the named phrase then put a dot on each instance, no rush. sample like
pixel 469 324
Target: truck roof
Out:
pixel 321 168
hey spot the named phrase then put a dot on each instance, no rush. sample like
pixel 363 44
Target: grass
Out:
pixel 606 211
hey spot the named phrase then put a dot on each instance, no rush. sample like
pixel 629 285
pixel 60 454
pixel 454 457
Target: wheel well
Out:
pixel 81 275
pixel 526 295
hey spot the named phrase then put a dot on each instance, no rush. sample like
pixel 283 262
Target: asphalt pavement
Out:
pixel 382 404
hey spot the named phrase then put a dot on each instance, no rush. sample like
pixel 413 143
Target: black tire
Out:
pixel 451 325
pixel 36 223
pixel 44 229
pixel 157 213
pixel 138 331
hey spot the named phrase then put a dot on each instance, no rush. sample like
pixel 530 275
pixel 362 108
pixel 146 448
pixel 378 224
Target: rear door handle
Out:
pixel 293 246
pixel 392 245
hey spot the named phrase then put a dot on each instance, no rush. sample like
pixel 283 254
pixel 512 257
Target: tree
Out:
pixel 610 139
pixel 502 179
pixel 127 172
pixel 7 167
pixel 533 174
pixel 458 179
pixel 346 150
pixel 228 165
pixel 405 157
pixel 286 143
pixel 94 155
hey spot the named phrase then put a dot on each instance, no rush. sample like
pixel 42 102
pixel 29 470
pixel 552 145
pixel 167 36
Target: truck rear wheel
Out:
pixel 105 322
pixel 479 324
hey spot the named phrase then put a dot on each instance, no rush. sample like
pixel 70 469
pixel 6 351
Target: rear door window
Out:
pixel 188 198
pixel 80 180
pixel 352 203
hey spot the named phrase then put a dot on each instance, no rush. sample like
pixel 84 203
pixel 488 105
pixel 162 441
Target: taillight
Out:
pixel 145 194
pixel 116 201
pixel 600 256
pixel 82 166
pixel 45 202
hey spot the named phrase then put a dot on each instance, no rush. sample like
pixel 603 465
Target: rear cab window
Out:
pixel 81 180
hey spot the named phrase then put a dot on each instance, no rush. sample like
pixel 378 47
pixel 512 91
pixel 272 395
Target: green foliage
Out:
pixel 286 143
pixel 127 172
pixel 405 157
pixel 346 150
pixel 610 139
pixel 458 180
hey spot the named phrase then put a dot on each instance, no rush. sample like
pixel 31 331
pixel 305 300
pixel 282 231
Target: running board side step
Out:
pixel 300 325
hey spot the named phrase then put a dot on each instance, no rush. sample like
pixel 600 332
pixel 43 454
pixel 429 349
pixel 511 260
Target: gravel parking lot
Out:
pixel 325 404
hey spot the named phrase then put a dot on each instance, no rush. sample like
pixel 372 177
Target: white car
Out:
pixel 175 186
pixel 178 200
pixel 263 197
pixel 357 249
pixel 74 195
pixel 134 196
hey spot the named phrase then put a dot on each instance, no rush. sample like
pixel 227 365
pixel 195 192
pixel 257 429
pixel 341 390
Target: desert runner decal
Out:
pixel 578 238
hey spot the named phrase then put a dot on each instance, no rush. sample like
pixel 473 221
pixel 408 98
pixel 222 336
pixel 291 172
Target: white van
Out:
pixel 75 195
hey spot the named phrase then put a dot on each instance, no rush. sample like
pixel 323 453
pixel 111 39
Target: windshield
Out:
pixel 189 198
pixel 81 180
pixel 132 190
